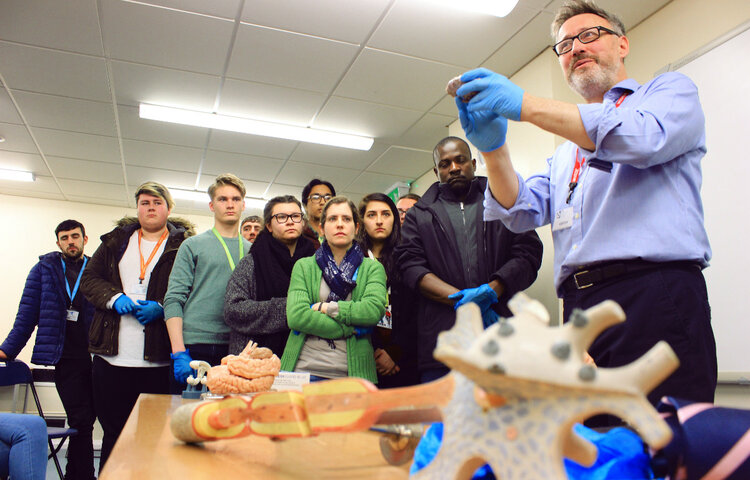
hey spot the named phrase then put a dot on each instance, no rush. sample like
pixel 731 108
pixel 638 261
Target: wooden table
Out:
pixel 146 449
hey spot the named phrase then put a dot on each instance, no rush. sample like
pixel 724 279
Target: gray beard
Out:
pixel 595 83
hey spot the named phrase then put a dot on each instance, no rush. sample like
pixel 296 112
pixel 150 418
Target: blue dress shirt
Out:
pixel 638 194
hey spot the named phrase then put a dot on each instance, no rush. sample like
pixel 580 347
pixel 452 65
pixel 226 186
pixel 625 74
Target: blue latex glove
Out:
pixel 147 311
pixel 362 331
pixel 182 368
pixel 123 305
pixel 620 455
pixel 486 130
pixel 483 295
pixel 495 93
pixel 489 317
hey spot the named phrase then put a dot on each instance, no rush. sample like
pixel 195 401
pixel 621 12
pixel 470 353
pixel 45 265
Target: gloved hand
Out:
pixel 362 331
pixel 485 129
pixel 147 311
pixel 489 317
pixel 483 295
pixel 182 368
pixel 495 93
pixel 123 305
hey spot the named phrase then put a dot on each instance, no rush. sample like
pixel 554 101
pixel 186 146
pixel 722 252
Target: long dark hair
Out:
pixel 386 254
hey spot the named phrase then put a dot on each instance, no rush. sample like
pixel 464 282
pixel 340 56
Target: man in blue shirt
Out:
pixel 622 194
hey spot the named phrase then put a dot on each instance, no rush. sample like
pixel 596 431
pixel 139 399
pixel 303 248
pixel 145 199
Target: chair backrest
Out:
pixel 14 372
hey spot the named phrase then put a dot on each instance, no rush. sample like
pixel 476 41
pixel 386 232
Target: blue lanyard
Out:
pixel 78 280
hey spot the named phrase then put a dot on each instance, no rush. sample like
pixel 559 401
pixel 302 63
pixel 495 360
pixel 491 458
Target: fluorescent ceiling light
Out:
pixel 198 196
pixel 16 175
pixel 254 127
pixel 498 8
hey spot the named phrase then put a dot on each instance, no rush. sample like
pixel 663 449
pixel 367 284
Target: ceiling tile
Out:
pixel 32 193
pixel 365 118
pixel 370 182
pixel 17 138
pixel 429 130
pixel 396 80
pixel 252 188
pixel 135 128
pixel 58 73
pixel 288 59
pixel 168 178
pixel 446 106
pixel 29 162
pixel 65 113
pixel 405 163
pixel 223 9
pixel 71 25
pixel 86 170
pixel 346 21
pixel 159 155
pixel 252 144
pixel 8 112
pixel 78 145
pixel 450 35
pixel 295 173
pixel 523 47
pixel 108 200
pixel 244 166
pixel 100 190
pixel 135 84
pixel 42 183
pixel 156 36
pixel 278 189
pixel 269 102
pixel 337 157
pixel 354 197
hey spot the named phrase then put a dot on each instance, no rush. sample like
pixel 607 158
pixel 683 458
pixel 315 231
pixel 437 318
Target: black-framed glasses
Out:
pixel 316 197
pixel 283 217
pixel 587 36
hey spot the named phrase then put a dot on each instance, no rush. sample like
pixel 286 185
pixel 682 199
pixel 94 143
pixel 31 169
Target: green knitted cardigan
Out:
pixel 365 309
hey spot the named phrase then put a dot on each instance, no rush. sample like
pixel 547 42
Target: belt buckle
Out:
pixel 578 285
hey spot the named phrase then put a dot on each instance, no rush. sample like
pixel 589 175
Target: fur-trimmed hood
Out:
pixel 176 221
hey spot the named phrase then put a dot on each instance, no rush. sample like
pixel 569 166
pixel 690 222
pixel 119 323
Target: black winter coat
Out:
pixel 101 281
pixel 429 246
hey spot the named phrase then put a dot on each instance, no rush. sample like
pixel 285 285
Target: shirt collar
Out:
pixel 628 85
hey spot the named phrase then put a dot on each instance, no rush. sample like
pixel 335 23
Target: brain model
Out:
pixel 253 370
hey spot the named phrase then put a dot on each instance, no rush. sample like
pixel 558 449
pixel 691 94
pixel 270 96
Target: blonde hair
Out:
pixel 226 179
pixel 157 190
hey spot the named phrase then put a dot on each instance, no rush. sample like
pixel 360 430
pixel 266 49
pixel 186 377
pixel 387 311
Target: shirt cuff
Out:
pixel 111 302
pixel 492 208
pixel 333 309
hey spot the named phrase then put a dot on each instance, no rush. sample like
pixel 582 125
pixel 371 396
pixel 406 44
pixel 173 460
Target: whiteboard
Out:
pixel 721 71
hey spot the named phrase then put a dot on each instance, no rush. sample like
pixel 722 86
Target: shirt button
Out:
pixel 576 216
pixel 575 246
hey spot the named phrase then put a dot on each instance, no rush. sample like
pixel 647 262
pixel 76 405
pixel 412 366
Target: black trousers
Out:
pixel 116 390
pixel 666 303
pixel 73 382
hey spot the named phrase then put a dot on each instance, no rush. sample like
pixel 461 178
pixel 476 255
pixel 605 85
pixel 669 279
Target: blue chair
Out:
pixel 15 372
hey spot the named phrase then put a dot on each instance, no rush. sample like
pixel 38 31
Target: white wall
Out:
pixel 29 226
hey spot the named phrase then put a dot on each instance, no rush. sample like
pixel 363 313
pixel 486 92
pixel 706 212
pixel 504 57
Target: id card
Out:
pixel 387 320
pixel 71 315
pixel 138 289
pixel 563 219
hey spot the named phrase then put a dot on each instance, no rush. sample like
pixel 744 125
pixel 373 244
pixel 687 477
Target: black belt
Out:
pixel 596 274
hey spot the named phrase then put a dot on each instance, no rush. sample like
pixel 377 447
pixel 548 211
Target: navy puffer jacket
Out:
pixel 43 304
